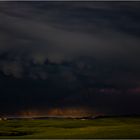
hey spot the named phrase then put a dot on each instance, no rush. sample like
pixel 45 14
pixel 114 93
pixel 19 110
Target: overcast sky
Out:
pixel 70 56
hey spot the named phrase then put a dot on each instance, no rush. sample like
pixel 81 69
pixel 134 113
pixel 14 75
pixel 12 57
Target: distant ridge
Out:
pixel 63 117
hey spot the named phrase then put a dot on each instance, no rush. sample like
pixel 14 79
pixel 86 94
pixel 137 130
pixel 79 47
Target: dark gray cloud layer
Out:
pixel 72 54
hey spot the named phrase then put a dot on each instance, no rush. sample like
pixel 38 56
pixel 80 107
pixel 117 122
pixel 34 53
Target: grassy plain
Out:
pixel 115 127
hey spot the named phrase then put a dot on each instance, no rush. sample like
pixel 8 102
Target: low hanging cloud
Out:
pixel 58 32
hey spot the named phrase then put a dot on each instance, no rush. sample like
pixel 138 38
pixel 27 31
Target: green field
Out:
pixel 119 127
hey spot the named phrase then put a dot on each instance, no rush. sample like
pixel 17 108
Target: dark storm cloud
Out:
pixel 55 54
pixel 41 35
